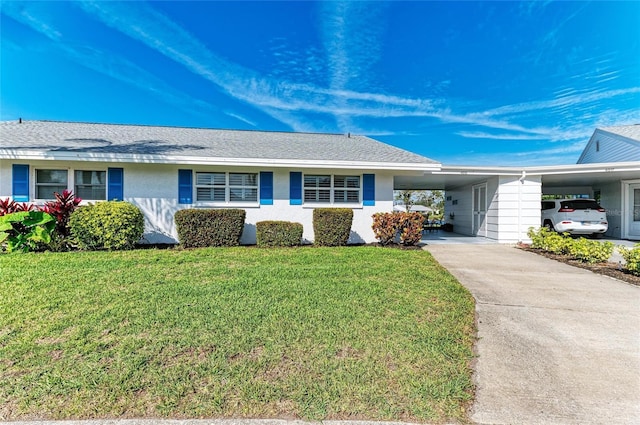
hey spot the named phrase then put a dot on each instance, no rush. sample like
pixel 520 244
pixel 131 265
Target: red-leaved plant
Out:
pixel 9 206
pixel 61 209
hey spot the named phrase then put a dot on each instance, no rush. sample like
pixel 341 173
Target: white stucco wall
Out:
pixel 154 189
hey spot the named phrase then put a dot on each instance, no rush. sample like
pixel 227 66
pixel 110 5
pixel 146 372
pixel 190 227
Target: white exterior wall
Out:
pixel 154 189
pixel 460 206
pixel 611 200
pixel 512 207
pixel 518 204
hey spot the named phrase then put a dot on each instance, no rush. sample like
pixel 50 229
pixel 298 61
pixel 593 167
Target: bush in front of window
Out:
pixel 199 228
pixel 112 225
pixel 332 226
pixel 278 233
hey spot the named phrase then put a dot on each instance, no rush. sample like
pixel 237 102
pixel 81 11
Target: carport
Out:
pixel 502 203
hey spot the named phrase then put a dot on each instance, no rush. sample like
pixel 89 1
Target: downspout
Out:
pixel 521 180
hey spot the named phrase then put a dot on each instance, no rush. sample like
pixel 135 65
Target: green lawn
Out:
pixel 313 333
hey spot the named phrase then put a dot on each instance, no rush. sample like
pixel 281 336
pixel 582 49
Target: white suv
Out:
pixel 576 216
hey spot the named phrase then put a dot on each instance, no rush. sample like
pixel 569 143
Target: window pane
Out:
pixel 346 196
pixel 210 179
pixel 317 181
pixel 319 195
pixel 216 194
pixel 91 192
pixel 52 177
pixel 244 179
pixel 46 191
pixel 346 182
pixel 237 194
pixel 91 177
pixel 353 182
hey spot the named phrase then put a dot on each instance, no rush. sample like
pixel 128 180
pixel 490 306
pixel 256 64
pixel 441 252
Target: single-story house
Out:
pixel 271 175
pixel 284 176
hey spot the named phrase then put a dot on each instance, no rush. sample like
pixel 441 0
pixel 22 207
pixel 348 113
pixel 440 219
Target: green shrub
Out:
pixel 26 230
pixel 107 225
pixel 332 226
pixel 632 258
pixel 548 240
pixel 209 227
pixel 590 251
pixel 408 225
pixel 278 233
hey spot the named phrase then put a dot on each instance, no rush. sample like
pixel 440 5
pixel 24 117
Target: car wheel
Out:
pixel 549 225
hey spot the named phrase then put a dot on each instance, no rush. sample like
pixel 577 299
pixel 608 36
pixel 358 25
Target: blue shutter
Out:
pixel 115 184
pixel 368 190
pixel 20 177
pixel 185 187
pixel 295 188
pixel 266 188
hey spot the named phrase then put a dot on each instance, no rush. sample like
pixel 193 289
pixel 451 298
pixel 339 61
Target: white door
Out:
pixel 480 210
pixel 634 211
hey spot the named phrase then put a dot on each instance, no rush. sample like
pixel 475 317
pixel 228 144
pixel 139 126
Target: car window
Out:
pixel 546 205
pixel 580 204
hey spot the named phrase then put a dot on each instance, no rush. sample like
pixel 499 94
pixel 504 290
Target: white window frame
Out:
pixel 227 187
pixel 332 188
pixel 37 185
pixel 75 184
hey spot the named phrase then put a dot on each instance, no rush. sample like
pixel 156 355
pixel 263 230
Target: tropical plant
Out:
pixel 8 206
pixel 26 230
pixel 61 209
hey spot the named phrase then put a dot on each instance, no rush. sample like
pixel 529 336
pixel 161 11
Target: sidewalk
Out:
pixel 557 344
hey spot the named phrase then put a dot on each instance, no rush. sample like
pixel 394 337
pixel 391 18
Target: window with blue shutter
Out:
pixel 368 190
pixel 185 187
pixel 115 184
pixel 20 185
pixel 295 188
pixel 266 188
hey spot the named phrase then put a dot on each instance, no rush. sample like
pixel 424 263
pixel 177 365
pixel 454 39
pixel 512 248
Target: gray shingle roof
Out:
pixel 117 139
pixel 629 131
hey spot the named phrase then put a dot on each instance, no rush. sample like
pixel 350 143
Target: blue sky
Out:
pixel 473 83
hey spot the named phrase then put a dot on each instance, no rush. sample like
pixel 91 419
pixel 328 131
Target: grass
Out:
pixel 312 333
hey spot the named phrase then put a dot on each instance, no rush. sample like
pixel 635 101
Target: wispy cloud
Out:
pixel 346 99
pixel 106 63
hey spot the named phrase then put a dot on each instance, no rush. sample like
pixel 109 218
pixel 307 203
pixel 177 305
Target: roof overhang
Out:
pixel 451 177
pixel 193 160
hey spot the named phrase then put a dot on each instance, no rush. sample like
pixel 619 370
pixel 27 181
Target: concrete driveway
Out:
pixel 557 344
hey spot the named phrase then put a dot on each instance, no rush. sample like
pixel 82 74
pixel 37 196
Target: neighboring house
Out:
pixel 612 144
pixel 271 175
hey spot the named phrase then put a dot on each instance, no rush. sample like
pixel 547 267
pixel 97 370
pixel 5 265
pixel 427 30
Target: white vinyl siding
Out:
pixel 91 184
pixel 50 181
pixel 226 187
pixel 329 189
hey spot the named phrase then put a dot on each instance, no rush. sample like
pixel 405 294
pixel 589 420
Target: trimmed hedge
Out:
pixel 406 224
pixel 199 228
pixel 278 233
pixel 332 226
pixel 107 225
